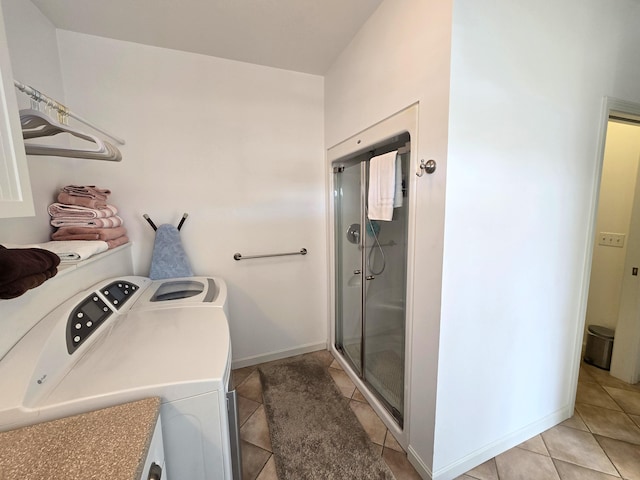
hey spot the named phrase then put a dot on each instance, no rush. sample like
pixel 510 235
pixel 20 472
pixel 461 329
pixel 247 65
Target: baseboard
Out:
pixel 269 357
pixel 480 456
pixel 418 464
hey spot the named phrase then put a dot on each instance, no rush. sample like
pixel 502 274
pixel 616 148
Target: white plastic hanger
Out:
pixel 36 124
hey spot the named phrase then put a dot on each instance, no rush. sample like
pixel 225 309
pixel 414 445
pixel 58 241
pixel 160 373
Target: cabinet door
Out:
pixel 15 189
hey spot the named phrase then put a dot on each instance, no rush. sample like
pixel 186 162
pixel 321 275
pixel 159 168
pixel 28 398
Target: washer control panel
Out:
pixel 91 312
pixel 118 292
pixel 85 319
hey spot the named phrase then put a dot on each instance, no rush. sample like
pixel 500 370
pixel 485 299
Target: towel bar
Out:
pixel 237 256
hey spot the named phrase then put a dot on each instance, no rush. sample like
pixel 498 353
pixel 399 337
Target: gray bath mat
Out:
pixel 314 433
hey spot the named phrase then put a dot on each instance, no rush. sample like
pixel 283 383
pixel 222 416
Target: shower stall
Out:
pixel 371 269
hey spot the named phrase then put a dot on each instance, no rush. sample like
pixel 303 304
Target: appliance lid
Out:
pixel 178 289
pixel 182 292
pixel 188 348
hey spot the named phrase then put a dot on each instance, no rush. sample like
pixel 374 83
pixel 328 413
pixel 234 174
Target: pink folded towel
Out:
pixel 116 242
pixel 64 197
pixel 76 211
pixel 109 222
pixel 89 191
pixel 88 233
pixel 84 195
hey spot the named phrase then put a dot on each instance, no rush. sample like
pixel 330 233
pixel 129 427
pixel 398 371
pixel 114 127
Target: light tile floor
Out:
pixel 257 458
pixel 600 442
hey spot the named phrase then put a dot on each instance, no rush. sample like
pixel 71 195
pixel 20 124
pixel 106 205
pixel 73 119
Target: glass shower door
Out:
pixel 348 295
pixel 371 283
pixel 385 261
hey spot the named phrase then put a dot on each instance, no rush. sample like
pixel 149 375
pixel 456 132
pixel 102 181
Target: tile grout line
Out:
pixel 596 438
pixel 607 455
pixel 546 447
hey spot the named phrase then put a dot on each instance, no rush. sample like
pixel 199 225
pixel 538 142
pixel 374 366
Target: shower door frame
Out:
pixel 380 134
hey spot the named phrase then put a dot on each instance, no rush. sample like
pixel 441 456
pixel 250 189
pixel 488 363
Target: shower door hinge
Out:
pixel 338 169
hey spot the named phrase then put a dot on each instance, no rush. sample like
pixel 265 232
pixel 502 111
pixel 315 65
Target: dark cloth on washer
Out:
pixel 22 269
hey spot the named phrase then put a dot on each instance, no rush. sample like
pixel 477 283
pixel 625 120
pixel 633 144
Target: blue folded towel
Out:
pixel 169 259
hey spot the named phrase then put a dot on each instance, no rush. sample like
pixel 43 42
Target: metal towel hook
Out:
pixel 429 166
pixel 184 217
pixel 153 225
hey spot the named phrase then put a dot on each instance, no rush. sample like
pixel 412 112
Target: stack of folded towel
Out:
pixel 82 213
pixel 25 268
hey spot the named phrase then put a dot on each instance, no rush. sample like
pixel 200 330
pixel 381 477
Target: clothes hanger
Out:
pixel 36 124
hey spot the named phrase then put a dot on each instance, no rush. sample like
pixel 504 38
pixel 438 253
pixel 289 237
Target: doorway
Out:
pixel 614 282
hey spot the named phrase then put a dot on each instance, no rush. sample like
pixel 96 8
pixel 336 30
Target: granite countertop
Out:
pixel 111 443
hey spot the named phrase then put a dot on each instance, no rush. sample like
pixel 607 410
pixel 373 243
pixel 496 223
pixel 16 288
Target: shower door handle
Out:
pixel 369 277
pixel 357 272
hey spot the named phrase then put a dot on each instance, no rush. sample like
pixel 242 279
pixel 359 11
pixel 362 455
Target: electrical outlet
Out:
pixel 611 239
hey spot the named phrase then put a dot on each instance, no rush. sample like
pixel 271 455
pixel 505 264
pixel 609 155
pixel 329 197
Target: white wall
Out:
pixel 34 60
pixel 235 145
pixel 239 148
pixel 617 189
pixel 528 81
pixel 527 84
pixel 399 57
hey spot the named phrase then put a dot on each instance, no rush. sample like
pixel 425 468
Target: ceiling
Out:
pixel 300 35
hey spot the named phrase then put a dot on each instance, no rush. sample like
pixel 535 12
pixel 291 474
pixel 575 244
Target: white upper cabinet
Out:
pixel 15 189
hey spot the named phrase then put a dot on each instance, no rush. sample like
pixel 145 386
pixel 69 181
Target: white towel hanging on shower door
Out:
pixel 382 186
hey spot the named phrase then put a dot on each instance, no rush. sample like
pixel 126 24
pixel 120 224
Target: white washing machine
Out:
pixel 130 338
pixel 183 292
